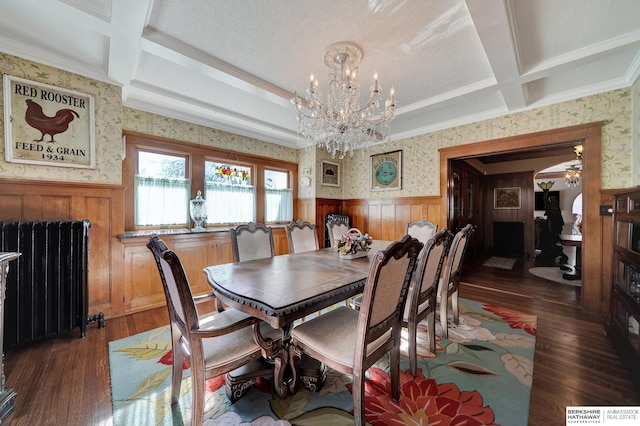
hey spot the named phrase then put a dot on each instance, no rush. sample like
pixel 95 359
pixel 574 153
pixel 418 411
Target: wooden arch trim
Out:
pixel 590 135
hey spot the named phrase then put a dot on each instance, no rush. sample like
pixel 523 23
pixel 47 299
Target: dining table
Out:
pixel 282 289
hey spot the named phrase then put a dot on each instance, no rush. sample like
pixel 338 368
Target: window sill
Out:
pixel 178 231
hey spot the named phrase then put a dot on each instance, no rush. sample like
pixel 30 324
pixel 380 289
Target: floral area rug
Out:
pixel 480 375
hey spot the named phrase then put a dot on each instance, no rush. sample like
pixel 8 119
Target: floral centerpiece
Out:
pixel 353 244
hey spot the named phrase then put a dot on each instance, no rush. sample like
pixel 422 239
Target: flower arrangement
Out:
pixel 353 242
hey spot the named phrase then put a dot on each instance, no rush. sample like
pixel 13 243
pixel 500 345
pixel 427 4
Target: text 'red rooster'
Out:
pixel 36 118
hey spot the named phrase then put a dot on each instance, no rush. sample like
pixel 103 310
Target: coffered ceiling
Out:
pixel 234 65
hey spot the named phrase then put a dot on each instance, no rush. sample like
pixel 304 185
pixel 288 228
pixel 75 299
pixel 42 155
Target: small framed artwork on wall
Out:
pixel 506 198
pixel 386 171
pixel 330 173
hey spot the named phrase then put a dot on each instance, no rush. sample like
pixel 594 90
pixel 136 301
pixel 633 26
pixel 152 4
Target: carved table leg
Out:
pixel 310 372
pixel 279 355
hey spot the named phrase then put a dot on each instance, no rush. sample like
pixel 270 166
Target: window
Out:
pixel 162 190
pixel 278 197
pixel 160 176
pixel 230 196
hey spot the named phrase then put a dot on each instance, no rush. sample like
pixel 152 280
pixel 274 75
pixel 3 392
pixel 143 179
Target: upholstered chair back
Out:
pixel 450 282
pixel 422 230
pixel 252 241
pixel 337 228
pixel 422 299
pixel 301 236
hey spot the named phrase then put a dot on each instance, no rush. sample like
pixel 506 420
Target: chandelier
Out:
pixel 343 124
pixel 572 176
pixel 573 172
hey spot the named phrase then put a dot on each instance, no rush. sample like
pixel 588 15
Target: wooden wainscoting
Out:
pixel 102 205
pixel 141 288
pixel 383 219
pixel 195 253
pixel 307 210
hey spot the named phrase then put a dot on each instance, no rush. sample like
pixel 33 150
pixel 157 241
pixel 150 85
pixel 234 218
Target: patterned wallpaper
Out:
pixel 108 129
pixel 635 126
pixel 620 159
pixel 420 158
pixel 157 125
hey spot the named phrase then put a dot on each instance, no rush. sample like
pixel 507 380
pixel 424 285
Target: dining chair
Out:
pixel 301 236
pixel 214 344
pixel 422 297
pixel 422 230
pixel 336 228
pixel 450 282
pixel 251 241
pixel 351 341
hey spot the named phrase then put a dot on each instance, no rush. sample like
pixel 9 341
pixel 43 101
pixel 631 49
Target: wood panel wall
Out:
pixel 524 181
pixel 102 205
pixel 306 210
pixel 383 219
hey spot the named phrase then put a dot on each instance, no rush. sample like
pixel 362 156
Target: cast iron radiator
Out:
pixel 47 288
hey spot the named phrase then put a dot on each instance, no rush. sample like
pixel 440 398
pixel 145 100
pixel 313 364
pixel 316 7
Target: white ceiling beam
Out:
pixel 584 56
pixel 175 51
pixel 493 25
pixel 127 22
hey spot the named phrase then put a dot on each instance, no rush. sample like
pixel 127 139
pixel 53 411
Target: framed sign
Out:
pixel 330 173
pixel 386 171
pixel 506 198
pixel 48 125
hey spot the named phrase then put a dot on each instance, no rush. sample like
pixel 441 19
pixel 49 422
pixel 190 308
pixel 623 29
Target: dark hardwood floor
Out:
pixel 66 380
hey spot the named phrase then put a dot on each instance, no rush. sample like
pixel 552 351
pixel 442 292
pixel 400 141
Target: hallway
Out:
pixel 520 282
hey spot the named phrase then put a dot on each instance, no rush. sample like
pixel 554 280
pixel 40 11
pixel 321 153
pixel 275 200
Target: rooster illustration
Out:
pixel 36 118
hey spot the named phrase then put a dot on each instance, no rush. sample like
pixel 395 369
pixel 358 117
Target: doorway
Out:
pixel 590 137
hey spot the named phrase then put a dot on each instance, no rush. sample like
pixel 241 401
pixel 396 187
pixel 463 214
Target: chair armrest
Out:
pixel 204 297
pixel 223 323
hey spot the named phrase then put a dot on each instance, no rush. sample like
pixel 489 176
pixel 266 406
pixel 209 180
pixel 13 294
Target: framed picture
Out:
pixel 330 173
pixel 386 171
pixel 48 125
pixel 506 198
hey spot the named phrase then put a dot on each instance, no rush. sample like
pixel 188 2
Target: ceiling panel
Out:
pixel 234 65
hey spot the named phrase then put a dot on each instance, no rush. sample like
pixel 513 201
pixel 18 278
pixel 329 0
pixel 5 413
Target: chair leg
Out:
pixel 412 335
pixel 394 370
pixel 197 393
pixel 443 317
pixel 431 326
pixel 454 308
pixel 219 305
pixel 176 367
pixel 358 398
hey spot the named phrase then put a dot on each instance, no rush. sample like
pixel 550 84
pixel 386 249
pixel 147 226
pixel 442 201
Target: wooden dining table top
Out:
pixel 284 288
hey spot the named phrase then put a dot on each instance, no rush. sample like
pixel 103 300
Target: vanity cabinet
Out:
pixel 625 290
